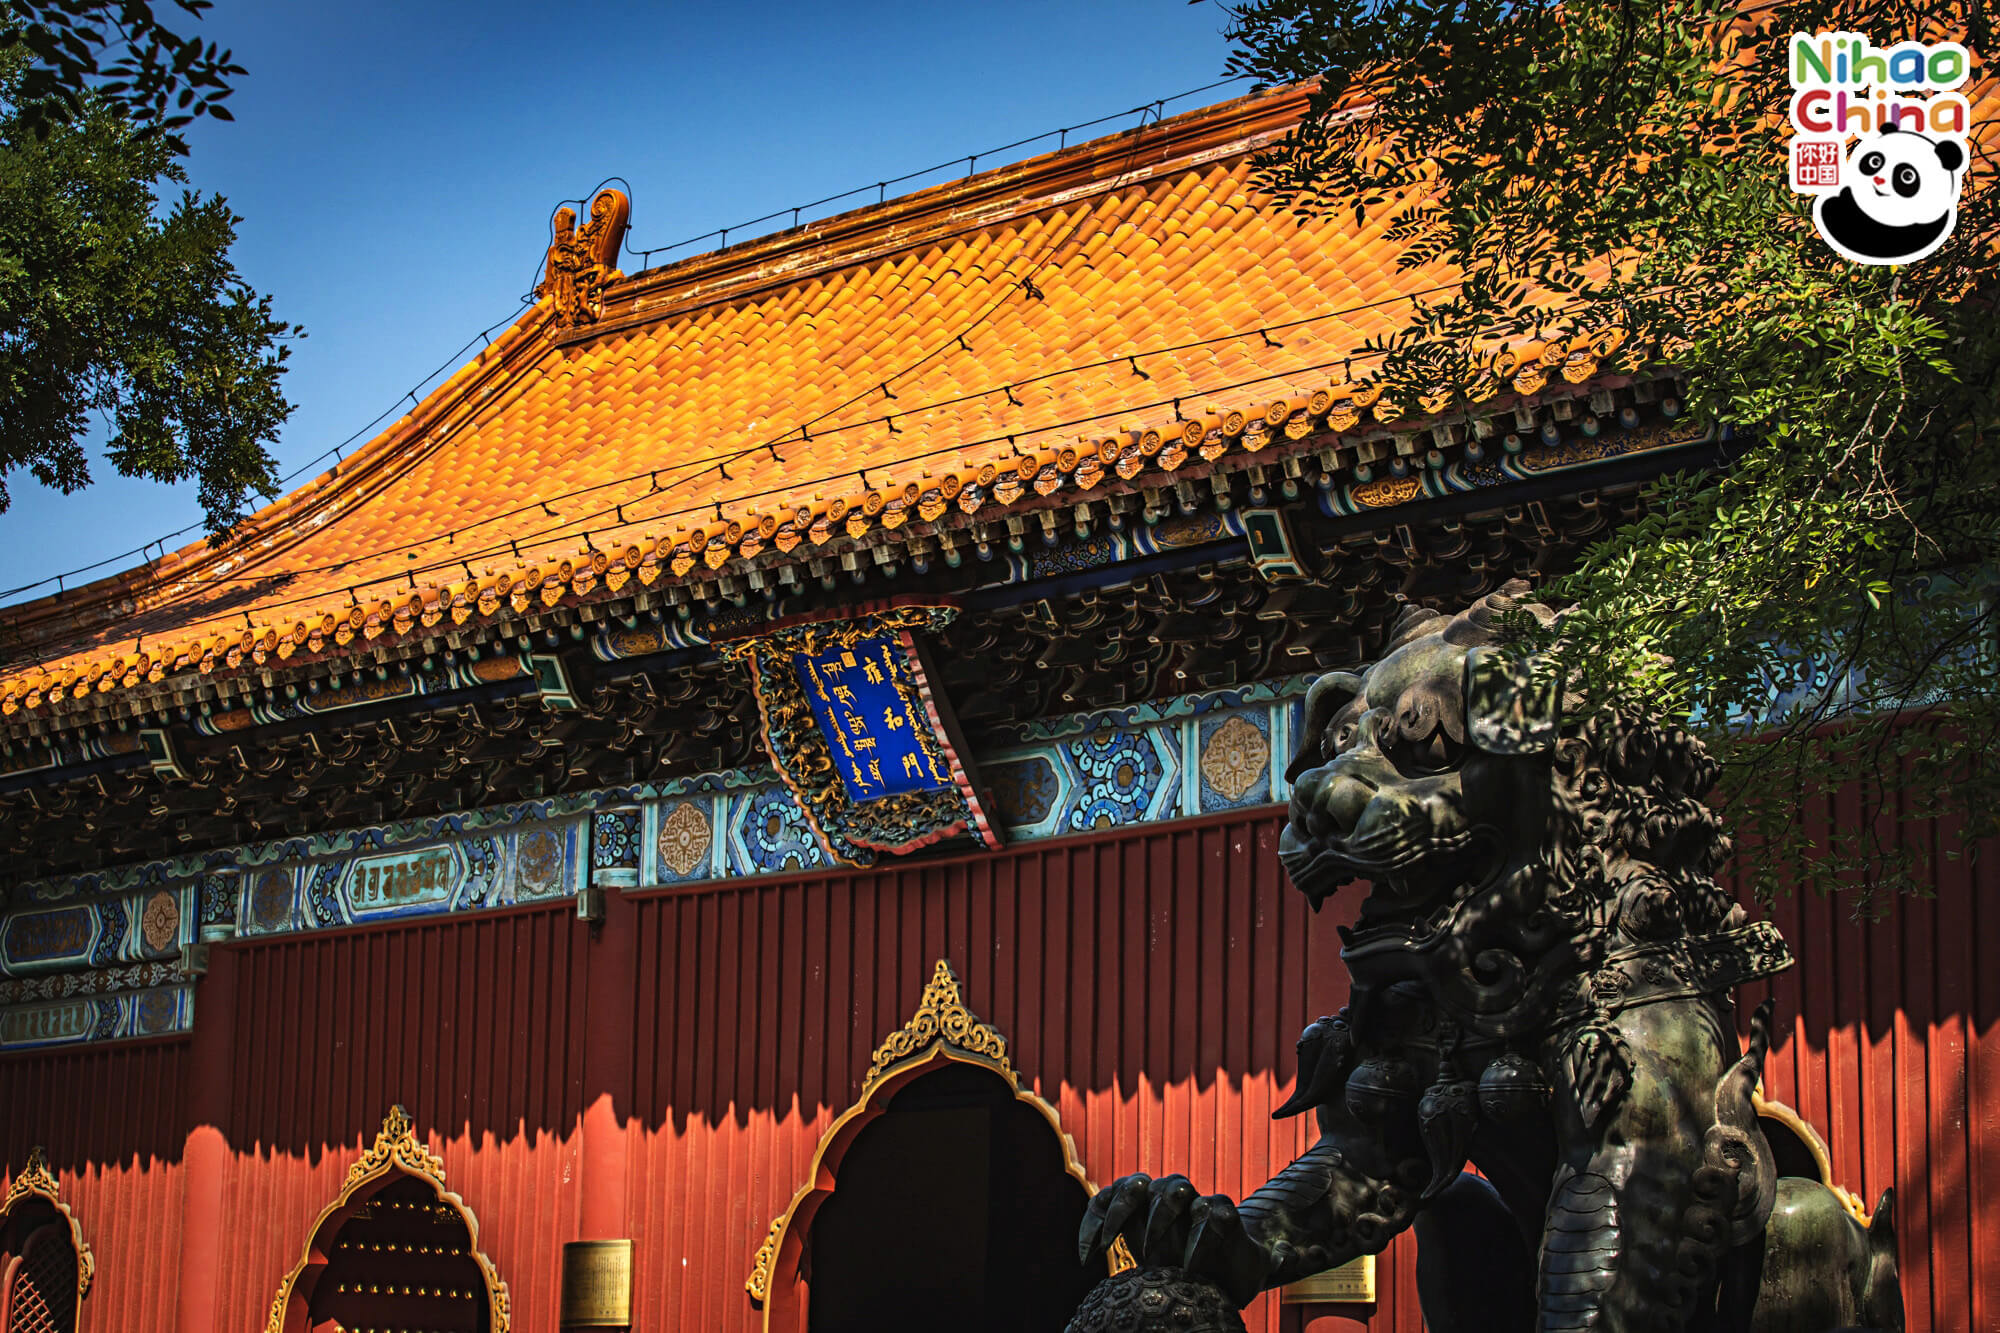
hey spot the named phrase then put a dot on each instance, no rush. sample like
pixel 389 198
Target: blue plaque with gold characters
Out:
pixel 867 707
pixel 854 729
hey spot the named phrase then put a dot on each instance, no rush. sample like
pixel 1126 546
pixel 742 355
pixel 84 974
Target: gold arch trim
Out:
pixel 941 1030
pixel 1856 1206
pixel 36 1181
pixel 397 1151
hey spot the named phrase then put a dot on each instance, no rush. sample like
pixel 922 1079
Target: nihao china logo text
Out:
pixel 1890 196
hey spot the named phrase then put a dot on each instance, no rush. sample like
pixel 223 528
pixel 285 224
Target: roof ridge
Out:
pixel 544 414
pixel 979 202
pixel 1209 133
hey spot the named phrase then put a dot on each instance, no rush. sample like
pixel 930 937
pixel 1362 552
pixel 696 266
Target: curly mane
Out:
pixel 1632 849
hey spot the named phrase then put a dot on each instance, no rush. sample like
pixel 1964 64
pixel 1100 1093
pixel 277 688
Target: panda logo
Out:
pixel 1900 201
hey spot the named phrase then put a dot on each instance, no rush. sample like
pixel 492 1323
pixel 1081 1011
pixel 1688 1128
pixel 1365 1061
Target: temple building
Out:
pixel 720 818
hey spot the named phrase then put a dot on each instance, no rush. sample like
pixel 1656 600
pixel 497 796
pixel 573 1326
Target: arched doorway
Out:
pixel 953 1211
pixel 402 1261
pixel 45 1268
pixel 395 1250
pixel 38 1285
pixel 949 1194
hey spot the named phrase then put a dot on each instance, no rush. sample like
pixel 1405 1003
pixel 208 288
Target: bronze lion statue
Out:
pixel 1543 976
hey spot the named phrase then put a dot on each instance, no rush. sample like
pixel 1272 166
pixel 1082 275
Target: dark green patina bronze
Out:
pixel 1543 977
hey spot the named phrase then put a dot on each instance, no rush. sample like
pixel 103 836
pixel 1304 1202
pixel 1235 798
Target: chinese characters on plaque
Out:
pixel 856 731
pixel 863 700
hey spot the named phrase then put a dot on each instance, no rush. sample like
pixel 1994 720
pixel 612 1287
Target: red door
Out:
pixel 38 1289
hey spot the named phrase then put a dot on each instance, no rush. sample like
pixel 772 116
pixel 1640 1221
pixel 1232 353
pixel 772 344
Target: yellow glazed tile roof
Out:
pixel 1112 313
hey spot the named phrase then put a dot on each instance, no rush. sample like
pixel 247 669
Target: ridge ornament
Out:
pixel 581 264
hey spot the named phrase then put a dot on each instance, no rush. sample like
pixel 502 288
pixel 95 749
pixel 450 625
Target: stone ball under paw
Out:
pixel 1155 1300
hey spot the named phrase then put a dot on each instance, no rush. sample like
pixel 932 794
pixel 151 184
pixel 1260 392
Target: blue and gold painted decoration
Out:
pixel 481 833
pixel 645 637
pixel 395 881
pixel 53 938
pixel 866 706
pixel 1028 793
pixel 1193 754
pixel 137 927
pixel 157 1012
pixel 1123 776
pixel 1234 759
pixel 1075 557
pixel 769 833
pixel 96 956
pixel 269 895
pixel 526 864
pixel 215 906
pixel 685 840
pixel 870 762
pixel 617 845
pixel 1114 546
pixel 1201 527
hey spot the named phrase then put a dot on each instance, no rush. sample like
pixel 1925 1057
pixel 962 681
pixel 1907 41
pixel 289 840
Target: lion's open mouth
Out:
pixel 1399 861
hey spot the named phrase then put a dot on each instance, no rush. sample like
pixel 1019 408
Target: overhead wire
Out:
pixel 971 159
pixel 567 529
pixel 958 338
pixel 568 526
pixel 336 451
pixel 716 461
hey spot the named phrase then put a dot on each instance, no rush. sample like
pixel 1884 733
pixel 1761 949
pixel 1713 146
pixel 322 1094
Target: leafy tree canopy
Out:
pixel 120 51
pixel 117 310
pixel 1624 162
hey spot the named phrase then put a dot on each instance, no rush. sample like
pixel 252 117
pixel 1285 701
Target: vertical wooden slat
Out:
pixel 1151 983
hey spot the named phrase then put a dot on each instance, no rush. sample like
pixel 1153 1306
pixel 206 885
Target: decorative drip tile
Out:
pixel 1173 239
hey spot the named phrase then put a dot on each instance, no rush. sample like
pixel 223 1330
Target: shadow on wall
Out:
pixel 1169 964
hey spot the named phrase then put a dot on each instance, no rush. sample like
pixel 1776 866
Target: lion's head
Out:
pixel 1505 840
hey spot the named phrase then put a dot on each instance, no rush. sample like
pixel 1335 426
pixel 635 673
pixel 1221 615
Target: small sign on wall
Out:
pixel 596 1284
pixel 1353 1283
pixel 402 880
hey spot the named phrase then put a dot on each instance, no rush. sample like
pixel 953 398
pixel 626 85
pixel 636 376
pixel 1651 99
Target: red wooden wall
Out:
pixel 668 1075
pixel 111 1119
pixel 1893 1054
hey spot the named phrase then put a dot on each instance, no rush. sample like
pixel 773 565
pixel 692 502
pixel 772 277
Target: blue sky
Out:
pixel 395 164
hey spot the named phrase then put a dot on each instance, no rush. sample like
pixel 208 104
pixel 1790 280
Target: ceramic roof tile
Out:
pixel 697 370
